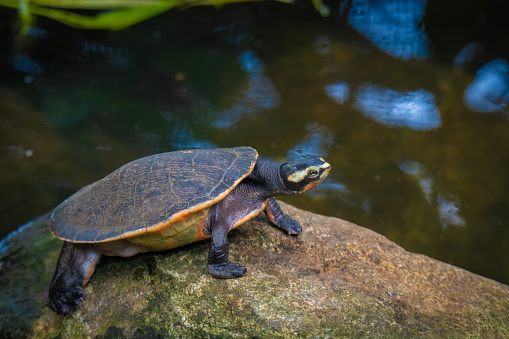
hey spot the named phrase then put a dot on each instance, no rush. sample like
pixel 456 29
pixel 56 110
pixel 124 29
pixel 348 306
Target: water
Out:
pixel 412 114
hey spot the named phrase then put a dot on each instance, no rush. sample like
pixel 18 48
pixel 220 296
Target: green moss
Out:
pixel 170 295
pixel 26 270
pixel 494 320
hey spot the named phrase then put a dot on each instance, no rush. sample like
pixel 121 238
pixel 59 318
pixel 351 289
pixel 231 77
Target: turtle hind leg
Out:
pixel 75 266
pixel 278 218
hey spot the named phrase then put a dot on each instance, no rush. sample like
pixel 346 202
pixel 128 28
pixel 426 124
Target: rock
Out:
pixel 337 279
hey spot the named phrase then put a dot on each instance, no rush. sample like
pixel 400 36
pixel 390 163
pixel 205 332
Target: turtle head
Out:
pixel 304 175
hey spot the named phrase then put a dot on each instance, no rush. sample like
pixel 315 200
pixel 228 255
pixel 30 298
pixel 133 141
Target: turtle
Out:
pixel 167 200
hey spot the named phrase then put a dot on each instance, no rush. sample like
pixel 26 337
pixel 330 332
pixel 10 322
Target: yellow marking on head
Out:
pixel 297 176
pixel 300 175
pixel 325 164
pixel 325 173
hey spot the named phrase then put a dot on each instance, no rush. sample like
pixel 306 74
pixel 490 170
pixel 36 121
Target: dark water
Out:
pixel 411 112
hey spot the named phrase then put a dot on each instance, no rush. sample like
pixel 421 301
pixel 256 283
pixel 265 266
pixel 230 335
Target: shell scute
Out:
pixel 149 194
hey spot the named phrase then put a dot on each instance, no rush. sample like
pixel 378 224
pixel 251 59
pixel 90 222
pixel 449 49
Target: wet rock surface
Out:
pixel 336 279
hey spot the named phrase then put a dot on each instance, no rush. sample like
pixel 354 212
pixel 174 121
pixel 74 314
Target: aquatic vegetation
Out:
pixel 113 14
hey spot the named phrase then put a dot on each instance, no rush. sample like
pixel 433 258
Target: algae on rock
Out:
pixel 336 279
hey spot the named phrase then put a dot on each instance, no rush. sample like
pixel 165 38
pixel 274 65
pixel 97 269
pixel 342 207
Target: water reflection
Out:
pixel 260 95
pixel 19 152
pixel 489 91
pixel 23 63
pixel 448 212
pixel 468 54
pixel 29 153
pixel 182 137
pixel 330 189
pixel 447 205
pixel 414 109
pixel 338 92
pixel 38 32
pixel 114 56
pixel 394 26
pixel 418 171
pixel 69 106
pixel 315 144
pixel 322 45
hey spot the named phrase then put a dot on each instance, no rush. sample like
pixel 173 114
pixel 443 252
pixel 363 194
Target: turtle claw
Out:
pixel 290 225
pixel 67 302
pixel 281 220
pixel 227 270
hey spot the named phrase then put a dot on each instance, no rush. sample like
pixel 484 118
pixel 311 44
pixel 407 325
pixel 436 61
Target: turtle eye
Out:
pixel 312 173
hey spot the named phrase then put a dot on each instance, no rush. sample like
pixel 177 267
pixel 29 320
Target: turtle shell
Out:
pixel 151 194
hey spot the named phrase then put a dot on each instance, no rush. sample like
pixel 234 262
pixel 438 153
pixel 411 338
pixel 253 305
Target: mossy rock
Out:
pixel 335 280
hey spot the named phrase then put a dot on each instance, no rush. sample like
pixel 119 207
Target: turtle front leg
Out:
pixel 278 218
pixel 75 266
pixel 219 265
